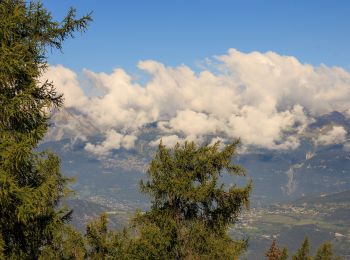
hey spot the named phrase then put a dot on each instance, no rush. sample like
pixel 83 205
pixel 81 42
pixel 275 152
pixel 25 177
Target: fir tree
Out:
pixel 191 209
pixel 325 252
pixel 67 243
pixel 303 252
pixel 102 243
pixel 31 183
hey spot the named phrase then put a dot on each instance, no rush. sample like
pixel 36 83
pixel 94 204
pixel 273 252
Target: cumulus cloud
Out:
pixel 66 82
pixel 266 99
pixel 193 124
pixel 335 135
pixel 113 140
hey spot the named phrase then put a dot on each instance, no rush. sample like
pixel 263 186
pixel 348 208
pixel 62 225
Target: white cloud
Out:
pixel 113 140
pixel 335 135
pixel 128 141
pixel 192 123
pixel 265 98
pixel 66 82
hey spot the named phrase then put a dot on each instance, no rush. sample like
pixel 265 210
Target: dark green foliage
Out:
pixel 303 252
pixel 184 182
pixel 2 256
pixel 325 252
pixel 284 255
pixel 190 214
pixel 30 183
pixel 97 237
pixel 191 211
pixel 66 243
pixel 104 244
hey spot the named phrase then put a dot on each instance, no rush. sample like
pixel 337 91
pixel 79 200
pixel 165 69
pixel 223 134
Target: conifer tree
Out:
pixel 31 183
pixel 102 243
pixel 303 252
pixel 67 243
pixel 2 256
pixel 191 209
pixel 325 252
pixel 284 255
pixel 275 253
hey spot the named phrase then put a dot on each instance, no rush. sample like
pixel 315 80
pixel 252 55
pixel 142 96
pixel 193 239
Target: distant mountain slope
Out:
pixel 337 197
pixel 311 184
pixel 85 211
pixel 321 218
pixel 278 176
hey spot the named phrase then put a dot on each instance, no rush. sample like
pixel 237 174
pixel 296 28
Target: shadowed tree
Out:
pixel 66 243
pixel 2 256
pixel 31 183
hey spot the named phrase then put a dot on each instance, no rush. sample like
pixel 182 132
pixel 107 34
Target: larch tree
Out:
pixel 325 252
pixel 191 208
pixel 303 253
pixel 31 183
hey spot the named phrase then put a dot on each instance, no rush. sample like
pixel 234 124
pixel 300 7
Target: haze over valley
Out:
pixel 293 120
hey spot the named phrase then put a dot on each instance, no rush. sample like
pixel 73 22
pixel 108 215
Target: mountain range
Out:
pixel 298 179
pixel 278 175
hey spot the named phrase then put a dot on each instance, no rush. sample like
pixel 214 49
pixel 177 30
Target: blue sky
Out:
pixel 187 32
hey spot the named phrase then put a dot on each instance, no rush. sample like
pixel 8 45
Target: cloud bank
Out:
pixel 266 99
pixel 335 135
pixel 113 140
